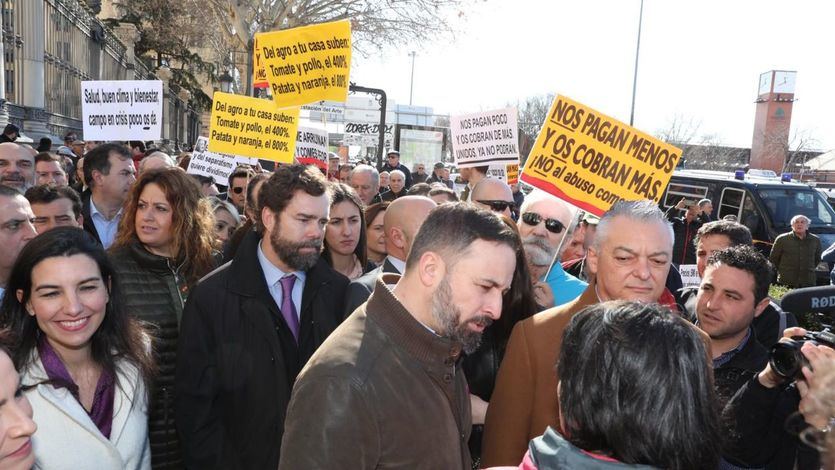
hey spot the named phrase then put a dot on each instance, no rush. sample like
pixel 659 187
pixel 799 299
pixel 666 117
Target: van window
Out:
pixel 783 204
pixel 731 202
pixel 690 192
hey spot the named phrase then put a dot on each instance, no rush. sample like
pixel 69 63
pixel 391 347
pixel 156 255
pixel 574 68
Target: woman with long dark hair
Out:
pixel 86 361
pixel 345 244
pixel 164 246
pixel 375 232
pixel 482 366
pixel 634 391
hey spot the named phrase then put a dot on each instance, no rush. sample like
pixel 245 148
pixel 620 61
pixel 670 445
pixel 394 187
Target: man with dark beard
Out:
pixel 249 328
pixel 386 390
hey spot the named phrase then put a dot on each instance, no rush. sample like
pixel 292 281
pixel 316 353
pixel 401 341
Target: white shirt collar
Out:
pixel 399 265
pixel 272 274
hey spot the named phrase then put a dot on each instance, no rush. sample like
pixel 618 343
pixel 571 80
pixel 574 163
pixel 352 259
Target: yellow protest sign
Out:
pixel 252 127
pixel 307 64
pixel 512 173
pixel 259 73
pixel 592 160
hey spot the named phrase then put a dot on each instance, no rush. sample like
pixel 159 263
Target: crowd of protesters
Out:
pixel 366 317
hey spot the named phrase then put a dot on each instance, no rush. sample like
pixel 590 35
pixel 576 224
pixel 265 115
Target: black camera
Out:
pixel 787 360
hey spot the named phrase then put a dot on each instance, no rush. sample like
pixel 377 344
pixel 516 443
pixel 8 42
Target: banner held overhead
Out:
pixel 122 109
pixel 592 160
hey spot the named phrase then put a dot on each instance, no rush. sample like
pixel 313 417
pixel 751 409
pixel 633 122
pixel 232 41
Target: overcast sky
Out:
pixel 699 60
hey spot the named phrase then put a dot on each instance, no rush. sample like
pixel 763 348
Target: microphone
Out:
pixel 810 299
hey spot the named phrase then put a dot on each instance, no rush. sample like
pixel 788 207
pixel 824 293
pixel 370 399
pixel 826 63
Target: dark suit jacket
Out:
pixel 88 224
pixel 360 289
pixel 237 360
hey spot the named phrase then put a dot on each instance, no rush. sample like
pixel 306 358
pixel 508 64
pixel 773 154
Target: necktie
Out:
pixel 288 309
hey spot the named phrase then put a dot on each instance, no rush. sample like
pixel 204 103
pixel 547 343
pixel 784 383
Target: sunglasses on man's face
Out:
pixel 552 225
pixel 238 190
pixel 499 206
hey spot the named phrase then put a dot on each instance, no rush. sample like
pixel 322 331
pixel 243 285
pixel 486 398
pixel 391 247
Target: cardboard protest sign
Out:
pixel 217 165
pixel 122 109
pixel 312 147
pixel 512 173
pixel 485 138
pixel 689 275
pixel 497 171
pixel 592 160
pixel 259 71
pixel 308 64
pixel 251 127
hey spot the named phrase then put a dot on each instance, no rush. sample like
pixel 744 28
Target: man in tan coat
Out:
pixel 629 260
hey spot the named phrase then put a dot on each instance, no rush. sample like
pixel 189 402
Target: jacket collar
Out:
pixel 129 379
pixel 148 260
pixel 405 331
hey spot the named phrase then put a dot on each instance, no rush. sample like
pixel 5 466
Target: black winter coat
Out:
pixel 153 292
pixel 237 360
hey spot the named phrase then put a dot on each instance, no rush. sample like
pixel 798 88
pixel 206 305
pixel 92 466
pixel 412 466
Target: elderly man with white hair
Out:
pixel 397 186
pixel 796 254
pixel 543 222
pixel 366 182
pixel 155 160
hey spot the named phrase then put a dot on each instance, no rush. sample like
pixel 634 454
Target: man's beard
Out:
pixel 448 318
pixel 288 251
pixel 16 178
pixel 538 251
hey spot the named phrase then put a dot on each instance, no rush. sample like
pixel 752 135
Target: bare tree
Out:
pixel 680 130
pixel 532 113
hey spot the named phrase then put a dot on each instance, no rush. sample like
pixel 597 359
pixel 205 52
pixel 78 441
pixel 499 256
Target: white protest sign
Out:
pixel 498 171
pixel 689 275
pixel 485 138
pixel 366 134
pixel 122 109
pixel 312 146
pixel 217 165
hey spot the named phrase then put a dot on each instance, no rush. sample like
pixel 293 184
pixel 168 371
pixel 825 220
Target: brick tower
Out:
pixel 772 122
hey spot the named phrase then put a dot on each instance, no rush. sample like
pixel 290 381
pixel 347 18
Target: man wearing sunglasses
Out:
pixel 238 181
pixel 629 260
pixel 393 163
pixel 494 195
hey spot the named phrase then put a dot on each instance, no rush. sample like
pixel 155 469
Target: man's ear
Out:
pixel 431 269
pixel 760 307
pixel 269 219
pixel 397 237
pixel 592 259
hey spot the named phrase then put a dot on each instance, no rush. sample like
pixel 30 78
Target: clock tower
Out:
pixel 769 148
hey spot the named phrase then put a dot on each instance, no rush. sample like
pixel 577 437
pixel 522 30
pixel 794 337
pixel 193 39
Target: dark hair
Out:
pixel 71 136
pixel 47 157
pixel 518 303
pixel 44 144
pixel 450 194
pixel 419 189
pixel 192 220
pixel 450 229
pixel 748 259
pixel 278 191
pixel 201 180
pixel 373 210
pixel 44 194
pixel 341 192
pixel 98 159
pixel 482 169
pixel 635 384
pixel 9 191
pixel 241 173
pixel 137 144
pixel 120 335
pixel 736 232
pixel 250 188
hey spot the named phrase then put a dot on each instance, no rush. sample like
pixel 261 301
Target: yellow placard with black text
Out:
pixel 307 64
pixel 512 174
pixel 592 160
pixel 252 127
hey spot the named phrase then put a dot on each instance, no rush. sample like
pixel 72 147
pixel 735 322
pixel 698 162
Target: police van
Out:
pixel 760 200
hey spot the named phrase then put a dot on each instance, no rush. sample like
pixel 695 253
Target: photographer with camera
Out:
pixel 733 292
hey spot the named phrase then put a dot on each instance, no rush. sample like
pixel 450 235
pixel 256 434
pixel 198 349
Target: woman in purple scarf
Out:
pixel 87 362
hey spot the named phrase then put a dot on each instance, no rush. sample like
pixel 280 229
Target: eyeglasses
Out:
pixel 552 225
pixel 238 190
pixel 499 206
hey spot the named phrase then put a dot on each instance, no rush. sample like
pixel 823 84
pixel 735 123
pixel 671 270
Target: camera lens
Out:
pixel 786 360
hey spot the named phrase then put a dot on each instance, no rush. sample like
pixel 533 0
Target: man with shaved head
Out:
pixel 17 167
pixel 494 195
pixel 155 160
pixel 401 222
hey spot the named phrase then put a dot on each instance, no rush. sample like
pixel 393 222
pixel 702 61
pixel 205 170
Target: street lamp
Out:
pixel 635 77
pixel 226 81
pixel 412 81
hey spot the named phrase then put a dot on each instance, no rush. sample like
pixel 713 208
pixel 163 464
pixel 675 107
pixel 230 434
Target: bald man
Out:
pixel 17 167
pixel 494 195
pixel 155 160
pixel 401 222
